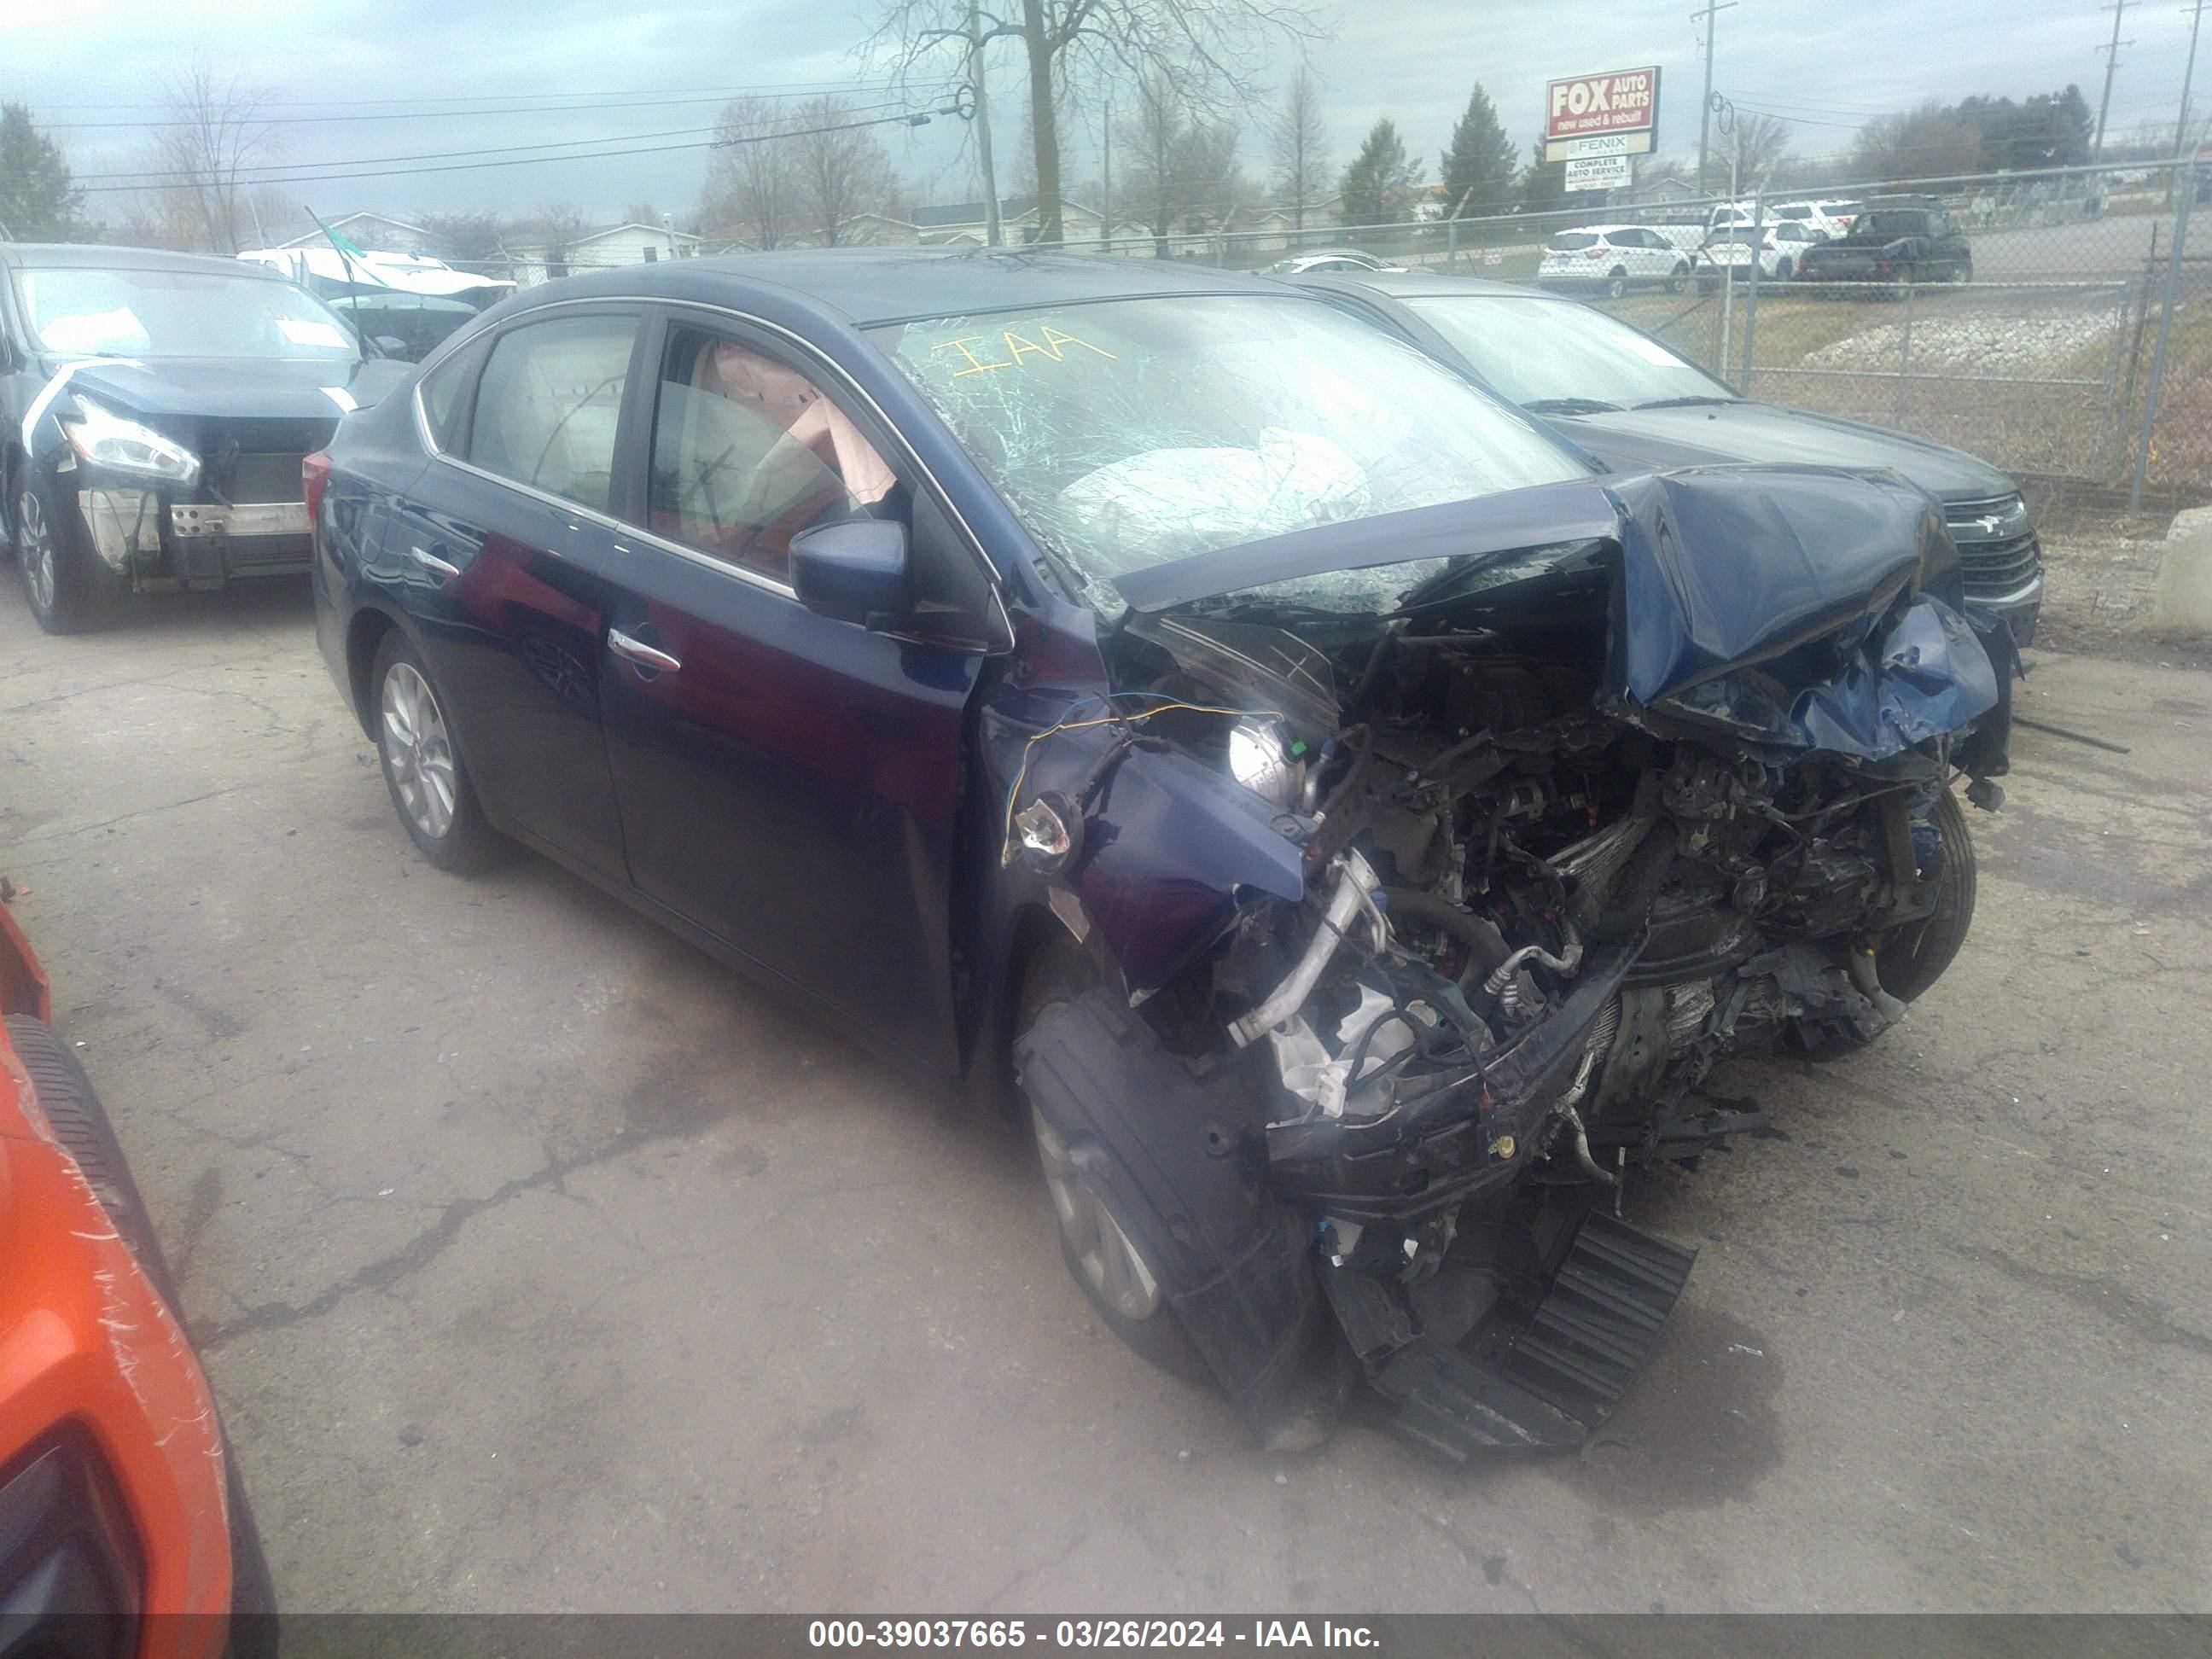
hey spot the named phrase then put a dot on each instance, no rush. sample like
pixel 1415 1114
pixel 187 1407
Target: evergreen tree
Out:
pixel 1378 184
pixel 1543 186
pixel 38 202
pixel 1477 169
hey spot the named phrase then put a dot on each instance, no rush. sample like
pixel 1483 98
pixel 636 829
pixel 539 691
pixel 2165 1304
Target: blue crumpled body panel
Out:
pixel 1755 598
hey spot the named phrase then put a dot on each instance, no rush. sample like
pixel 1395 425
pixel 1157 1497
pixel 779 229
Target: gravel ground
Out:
pixel 541 1263
pixel 2043 341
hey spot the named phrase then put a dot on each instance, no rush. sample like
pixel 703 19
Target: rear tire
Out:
pixel 1911 958
pixel 1102 1257
pixel 423 770
pixel 68 589
pixel 1616 284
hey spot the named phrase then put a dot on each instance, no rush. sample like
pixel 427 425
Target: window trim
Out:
pixel 617 477
pixel 653 312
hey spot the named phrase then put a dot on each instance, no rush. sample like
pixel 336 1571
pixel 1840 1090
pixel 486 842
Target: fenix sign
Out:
pixel 1609 114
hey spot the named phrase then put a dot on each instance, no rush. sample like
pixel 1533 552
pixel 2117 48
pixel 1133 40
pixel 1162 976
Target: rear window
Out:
pixel 1573 241
pixel 1794 210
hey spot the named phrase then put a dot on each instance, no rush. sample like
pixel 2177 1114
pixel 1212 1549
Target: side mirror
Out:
pixel 853 572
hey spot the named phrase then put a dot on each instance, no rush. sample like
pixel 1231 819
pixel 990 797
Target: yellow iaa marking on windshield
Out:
pixel 1020 346
pixel 976 366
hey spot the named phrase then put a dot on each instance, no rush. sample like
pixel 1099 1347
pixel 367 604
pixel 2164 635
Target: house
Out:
pixel 374 233
pixel 961 224
pixel 540 260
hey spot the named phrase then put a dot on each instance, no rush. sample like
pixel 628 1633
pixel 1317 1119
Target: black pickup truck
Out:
pixel 1894 241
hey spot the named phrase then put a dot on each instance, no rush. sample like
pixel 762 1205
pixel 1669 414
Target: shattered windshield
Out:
pixel 1133 432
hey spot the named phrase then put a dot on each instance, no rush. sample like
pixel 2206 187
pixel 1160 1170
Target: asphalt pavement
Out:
pixel 541 1263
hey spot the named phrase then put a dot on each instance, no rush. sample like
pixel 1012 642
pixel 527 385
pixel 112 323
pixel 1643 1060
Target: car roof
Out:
pixel 1423 284
pixel 94 256
pixel 869 286
pixel 1600 230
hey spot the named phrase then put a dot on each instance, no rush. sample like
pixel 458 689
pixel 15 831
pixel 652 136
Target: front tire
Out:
pixel 1105 1261
pixel 67 588
pixel 1909 960
pixel 424 771
pixel 1677 277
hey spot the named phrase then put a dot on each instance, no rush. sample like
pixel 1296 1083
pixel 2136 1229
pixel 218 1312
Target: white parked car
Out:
pixel 1613 258
pixel 1340 262
pixel 1727 253
pixel 1831 219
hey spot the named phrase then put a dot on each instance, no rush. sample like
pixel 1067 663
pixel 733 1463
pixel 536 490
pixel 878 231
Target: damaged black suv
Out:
pixel 157 407
pixel 1344 826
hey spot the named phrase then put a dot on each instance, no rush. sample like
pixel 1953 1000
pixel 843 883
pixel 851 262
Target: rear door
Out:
pixel 500 550
pixel 788 783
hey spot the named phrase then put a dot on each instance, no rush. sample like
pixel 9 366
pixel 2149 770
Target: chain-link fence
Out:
pixel 2058 324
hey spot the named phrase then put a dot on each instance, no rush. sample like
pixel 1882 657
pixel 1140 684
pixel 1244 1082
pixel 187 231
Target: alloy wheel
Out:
pixel 1095 1239
pixel 35 546
pixel 417 750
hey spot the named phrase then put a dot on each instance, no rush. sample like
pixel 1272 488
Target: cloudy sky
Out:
pixel 360 90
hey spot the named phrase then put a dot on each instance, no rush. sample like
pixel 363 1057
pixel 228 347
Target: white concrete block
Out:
pixel 2183 601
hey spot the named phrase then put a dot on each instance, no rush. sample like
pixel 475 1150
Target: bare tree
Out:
pixel 1931 141
pixel 752 184
pixel 553 231
pixel 837 174
pixel 470 238
pixel 1209 49
pixel 1152 144
pixel 213 135
pixel 1759 144
pixel 1299 141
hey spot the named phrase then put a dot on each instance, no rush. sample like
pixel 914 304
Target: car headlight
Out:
pixel 105 439
pixel 1261 758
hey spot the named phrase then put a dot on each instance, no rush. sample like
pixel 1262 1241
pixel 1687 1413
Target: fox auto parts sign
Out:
pixel 1608 114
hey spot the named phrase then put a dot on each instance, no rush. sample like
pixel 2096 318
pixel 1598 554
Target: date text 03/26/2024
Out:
pixel 973 1633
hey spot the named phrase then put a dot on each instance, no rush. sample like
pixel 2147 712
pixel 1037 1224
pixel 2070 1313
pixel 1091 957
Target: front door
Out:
pixel 786 782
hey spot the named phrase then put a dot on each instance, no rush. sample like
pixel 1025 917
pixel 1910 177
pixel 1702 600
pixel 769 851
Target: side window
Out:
pixel 747 453
pixel 549 403
pixel 445 397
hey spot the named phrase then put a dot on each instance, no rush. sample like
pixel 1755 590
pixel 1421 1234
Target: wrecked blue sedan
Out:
pixel 1339 823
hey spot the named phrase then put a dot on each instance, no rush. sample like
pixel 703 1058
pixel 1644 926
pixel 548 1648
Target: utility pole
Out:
pixel 993 234
pixel 2118 8
pixel 1106 185
pixel 1706 105
pixel 2181 126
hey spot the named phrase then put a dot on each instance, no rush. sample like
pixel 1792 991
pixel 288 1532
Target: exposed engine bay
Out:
pixel 1534 911
pixel 1482 841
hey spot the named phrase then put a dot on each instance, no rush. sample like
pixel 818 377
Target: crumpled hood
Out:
pixel 1768 602
pixel 1795 608
pixel 1706 435
pixel 236 388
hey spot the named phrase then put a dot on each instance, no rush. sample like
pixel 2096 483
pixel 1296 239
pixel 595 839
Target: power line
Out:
pixel 152 178
pixel 421 104
pixel 911 118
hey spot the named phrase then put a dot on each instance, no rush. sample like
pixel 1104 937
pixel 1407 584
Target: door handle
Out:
pixel 644 655
pixel 436 566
